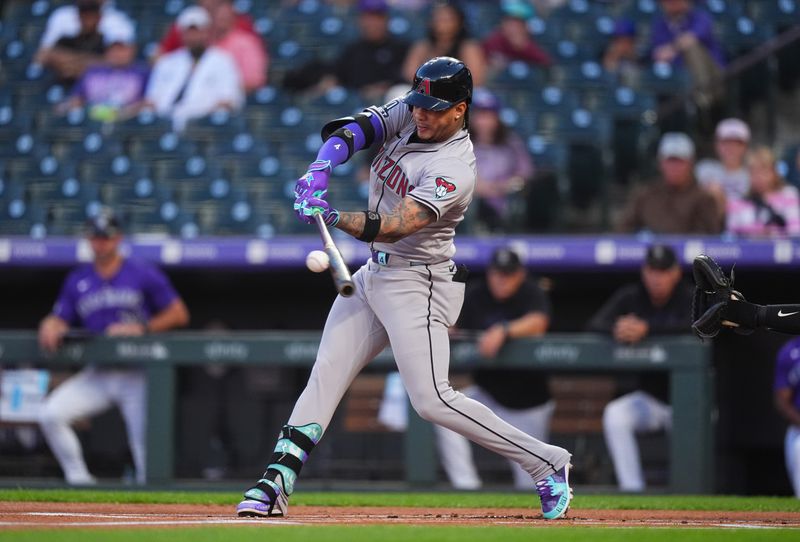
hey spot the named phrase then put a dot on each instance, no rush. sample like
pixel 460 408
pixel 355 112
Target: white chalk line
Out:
pixel 182 522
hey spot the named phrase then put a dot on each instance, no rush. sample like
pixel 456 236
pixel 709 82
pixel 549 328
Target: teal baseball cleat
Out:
pixel 555 493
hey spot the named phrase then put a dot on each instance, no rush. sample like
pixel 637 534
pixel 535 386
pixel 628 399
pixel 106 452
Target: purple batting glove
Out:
pixel 315 181
pixel 305 207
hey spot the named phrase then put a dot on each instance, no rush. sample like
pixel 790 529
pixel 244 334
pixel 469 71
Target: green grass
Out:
pixel 429 500
pixel 406 533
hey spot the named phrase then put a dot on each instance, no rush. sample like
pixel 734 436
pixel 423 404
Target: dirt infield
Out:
pixel 27 515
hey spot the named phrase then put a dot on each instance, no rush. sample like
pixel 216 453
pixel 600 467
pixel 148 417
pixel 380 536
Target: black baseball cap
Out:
pixel 660 257
pixel 88 5
pixel 505 260
pixel 104 224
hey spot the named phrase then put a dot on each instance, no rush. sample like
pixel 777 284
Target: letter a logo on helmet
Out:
pixel 424 87
pixel 439 84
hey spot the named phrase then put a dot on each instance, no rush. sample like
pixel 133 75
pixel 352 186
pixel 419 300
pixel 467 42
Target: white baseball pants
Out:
pixel 88 393
pixel 636 412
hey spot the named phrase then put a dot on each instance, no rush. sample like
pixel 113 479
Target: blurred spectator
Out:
pixel 371 64
pixel 675 203
pixel 683 35
pixel 507 305
pixel 621 57
pixel 660 304
pixel 772 208
pixel 545 7
pixel 173 39
pixel 512 41
pixel 114 88
pixel 72 53
pixel 246 48
pixel 113 296
pixel 196 79
pixel 503 163
pixel 786 389
pixel 447 36
pixel 65 22
pixel 727 177
pixel 791 159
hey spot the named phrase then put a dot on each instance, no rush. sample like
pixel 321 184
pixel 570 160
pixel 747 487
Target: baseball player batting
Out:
pixel 111 296
pixel 410 291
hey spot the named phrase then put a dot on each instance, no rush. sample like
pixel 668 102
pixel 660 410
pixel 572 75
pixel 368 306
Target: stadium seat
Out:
pixel 75 125
pixel 218 126
pixel 546 32
pixel 144 126
pixel 585 75
pixel 94 146
pixel 167 146
pixel 662 79
pixel 112 169
pixel 519 75
pixel 19 217
pixel 142 191
pixel 190 169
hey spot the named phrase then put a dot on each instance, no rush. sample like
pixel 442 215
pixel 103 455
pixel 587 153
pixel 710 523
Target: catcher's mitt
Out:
pixel 712 294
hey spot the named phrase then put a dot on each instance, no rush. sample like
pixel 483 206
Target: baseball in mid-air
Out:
pixel 317 261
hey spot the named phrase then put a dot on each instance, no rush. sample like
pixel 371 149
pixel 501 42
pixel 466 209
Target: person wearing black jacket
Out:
pixel 659 304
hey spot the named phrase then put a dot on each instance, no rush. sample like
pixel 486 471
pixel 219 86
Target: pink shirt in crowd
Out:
pixel 745 217
pixel 248 52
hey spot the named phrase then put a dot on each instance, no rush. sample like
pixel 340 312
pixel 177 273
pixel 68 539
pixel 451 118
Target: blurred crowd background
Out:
pixel 195 120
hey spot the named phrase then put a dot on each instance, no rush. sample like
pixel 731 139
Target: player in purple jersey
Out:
pixel 113 296
pixel 787 401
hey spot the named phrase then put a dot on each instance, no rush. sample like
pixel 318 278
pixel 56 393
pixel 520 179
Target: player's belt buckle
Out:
pixel 380 258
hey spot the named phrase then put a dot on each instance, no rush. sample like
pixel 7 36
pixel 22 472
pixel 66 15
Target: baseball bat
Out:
pixel 341 274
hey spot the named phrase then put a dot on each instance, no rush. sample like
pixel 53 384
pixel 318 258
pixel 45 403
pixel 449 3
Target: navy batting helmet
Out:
pixel 439 84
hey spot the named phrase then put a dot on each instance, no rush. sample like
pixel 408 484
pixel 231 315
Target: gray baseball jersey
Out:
pixel 440 176
pixel 406 298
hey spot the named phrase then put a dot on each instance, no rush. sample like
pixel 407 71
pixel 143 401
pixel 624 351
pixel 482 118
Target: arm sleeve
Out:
pixel 536 299
pixel 55 27
pixel 337 151
pixel 446 184
pixel 65 306
pixel 232 88
pixel 604 319
pixel 781 318
pixel 158 290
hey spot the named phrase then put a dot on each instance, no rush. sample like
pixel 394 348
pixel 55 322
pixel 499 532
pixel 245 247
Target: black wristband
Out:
pixel 372 226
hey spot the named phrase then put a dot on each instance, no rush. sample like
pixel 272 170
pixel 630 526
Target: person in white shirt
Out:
pixel 65 22
pixel 727 177
pixel 196 79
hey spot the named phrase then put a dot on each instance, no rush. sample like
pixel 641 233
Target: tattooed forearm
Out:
pixel 406 219
pixel 409 217
pixel 352 222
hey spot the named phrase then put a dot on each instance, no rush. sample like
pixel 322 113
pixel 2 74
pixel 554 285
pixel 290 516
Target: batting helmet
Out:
pixel 439 84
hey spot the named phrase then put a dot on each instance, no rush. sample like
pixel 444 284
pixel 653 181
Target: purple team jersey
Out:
pixel 117 87
pixel 137 292
pixel 787 370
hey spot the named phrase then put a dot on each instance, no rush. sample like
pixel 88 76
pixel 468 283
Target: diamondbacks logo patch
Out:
pixel 443 188
pixel 424 87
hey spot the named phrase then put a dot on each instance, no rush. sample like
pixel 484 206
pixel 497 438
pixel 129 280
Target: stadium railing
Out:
pixel 687 360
